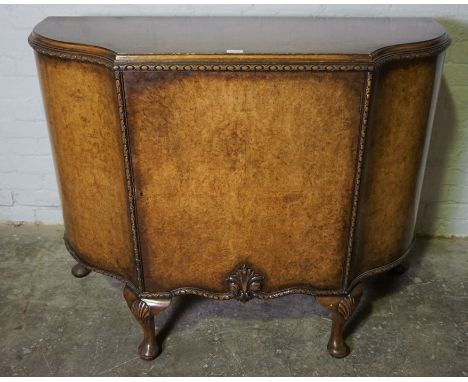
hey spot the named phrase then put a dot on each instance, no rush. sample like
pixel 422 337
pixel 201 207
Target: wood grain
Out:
pixel 243 167
pixel 293 166
pixel 83 122
pixel 394 167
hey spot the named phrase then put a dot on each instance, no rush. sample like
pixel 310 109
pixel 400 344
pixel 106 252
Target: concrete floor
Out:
pixel 52 324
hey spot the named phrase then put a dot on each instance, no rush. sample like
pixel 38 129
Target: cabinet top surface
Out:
pixel 238 35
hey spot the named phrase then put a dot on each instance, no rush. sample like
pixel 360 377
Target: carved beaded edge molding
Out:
pixel 358 172
pixel 70 55
pixel 129 177
pixel 229 296
pixel 377 58
pixel 244 284
pixel 245 67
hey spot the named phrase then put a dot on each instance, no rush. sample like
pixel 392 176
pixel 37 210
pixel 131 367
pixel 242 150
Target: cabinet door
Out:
pixel 243 167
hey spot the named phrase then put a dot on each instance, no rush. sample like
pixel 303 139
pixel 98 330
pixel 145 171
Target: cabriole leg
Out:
pixel 341 308
pixel 144 311
pixel 79 270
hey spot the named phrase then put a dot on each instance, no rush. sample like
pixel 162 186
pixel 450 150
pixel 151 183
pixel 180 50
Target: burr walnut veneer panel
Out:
pixel 243 167
pixel 397 140
pixel 239 158
pixel 83 121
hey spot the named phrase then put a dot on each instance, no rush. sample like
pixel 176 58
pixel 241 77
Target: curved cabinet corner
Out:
pixel 400 121
pixel 84 128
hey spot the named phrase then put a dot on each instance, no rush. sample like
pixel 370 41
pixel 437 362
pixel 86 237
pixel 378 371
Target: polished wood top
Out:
pixel 237 35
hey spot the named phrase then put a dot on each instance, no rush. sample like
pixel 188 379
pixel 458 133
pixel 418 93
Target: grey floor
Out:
pixel 52 324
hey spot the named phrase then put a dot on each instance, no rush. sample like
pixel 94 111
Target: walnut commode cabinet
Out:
pixel 239 158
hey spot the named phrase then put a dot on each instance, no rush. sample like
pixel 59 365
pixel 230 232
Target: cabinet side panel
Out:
pixel 243 167
pixel 397 139
pixel 84 130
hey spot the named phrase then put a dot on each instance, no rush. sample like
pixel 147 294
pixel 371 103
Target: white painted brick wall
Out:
pixel 28 190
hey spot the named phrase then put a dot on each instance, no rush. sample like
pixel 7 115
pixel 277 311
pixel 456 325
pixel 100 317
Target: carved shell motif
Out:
pixel 346 306
pixel 141 310
pixel 244 282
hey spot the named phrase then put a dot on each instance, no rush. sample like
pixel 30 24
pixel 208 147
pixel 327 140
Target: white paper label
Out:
pixel 234 51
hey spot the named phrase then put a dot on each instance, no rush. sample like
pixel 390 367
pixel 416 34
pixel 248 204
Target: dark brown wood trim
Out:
pixel 69 52
pixel 411 51
pixel 341 309
pixel 248 66
pixel 74 253
pixel 229 295
pixel 230 62
pixel 79 271
pixel 382 269
pixel 144 312
pixel 358 174
pixel 129 177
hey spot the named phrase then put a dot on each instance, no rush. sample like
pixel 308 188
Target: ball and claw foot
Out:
pixel 80 270
pixel 341 308
pixel 144 312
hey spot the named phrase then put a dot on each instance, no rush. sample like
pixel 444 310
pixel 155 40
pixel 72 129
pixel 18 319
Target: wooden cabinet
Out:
pixel 239 158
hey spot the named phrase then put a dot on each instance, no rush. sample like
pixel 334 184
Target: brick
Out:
pixel 49 181
pixel 21 109
pixel 48 215
pixel 432 10
pixel 15 40
pixel 6 198
pixel 350 10
pixel 40 197
pixel 456 74
pixel 16 214
pixel 19 87
pixel 43 146
pixel 448 193
pixel 19 181
pixel 10 128
pixel 27 164
pixel 28 146
pixel 457 53
pixel 18 64
pixel 456 28
pixel 447 211
pixel 460 111
pixel 17 146
pixel 444 227
pixel 441 175
pixel 452 160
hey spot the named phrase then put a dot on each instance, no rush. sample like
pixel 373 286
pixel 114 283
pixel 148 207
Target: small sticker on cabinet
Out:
pixel 235 51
